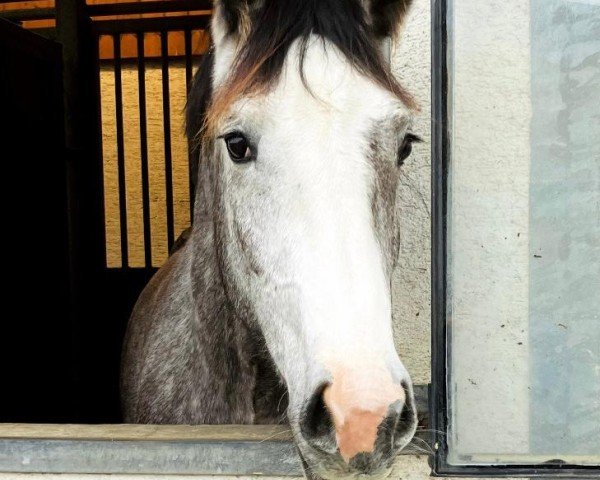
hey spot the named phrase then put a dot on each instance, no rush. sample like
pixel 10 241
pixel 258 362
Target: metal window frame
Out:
pixel 441 159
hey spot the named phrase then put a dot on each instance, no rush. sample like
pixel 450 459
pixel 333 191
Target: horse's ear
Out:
pixel 234 15
pixel 387 16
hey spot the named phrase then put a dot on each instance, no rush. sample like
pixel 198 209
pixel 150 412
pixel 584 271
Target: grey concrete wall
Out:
pixel 411 62
pixel 565 227
pixel 523 232
pixel 488 227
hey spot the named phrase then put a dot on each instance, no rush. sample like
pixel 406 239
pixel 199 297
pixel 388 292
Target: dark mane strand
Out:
pixel 196 108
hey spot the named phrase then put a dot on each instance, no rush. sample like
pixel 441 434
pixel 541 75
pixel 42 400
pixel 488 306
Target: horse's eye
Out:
pixel 238 148
pixel 406 147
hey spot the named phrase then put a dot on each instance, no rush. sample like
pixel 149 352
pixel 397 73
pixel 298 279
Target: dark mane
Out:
pixel 196 107
pixel 275 25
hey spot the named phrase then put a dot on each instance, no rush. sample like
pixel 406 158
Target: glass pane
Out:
pixel 523 238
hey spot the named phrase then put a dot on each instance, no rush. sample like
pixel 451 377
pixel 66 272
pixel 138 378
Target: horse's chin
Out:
pixel 338 472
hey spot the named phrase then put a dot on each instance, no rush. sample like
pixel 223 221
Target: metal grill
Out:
pixel 145 242
pixel 147 52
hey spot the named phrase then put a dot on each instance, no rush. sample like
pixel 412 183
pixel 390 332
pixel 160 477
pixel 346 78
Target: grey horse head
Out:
pixel 285 282
pixel 303 143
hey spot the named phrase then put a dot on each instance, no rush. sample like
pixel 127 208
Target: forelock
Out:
pixel 267 31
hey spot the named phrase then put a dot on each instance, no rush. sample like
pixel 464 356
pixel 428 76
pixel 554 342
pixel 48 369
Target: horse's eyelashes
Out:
pixel 238 147
pixel 404 152
pixel 406 147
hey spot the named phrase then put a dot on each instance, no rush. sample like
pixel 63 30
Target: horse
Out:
pixel 277 307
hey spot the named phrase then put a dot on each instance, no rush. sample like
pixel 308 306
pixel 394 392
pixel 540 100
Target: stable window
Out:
pixel 517 237
pixel 516 246
pixel 120 70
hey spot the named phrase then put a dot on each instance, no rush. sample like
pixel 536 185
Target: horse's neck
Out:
pixel 240 374
pixel 222 349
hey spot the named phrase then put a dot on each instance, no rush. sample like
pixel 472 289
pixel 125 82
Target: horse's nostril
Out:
pixel 316 424
pixel 406 422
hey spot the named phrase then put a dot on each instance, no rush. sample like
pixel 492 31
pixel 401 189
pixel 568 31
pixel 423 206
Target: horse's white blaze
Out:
pixel 326 304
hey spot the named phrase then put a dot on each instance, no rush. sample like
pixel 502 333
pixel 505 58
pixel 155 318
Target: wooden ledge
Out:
pixel 124 432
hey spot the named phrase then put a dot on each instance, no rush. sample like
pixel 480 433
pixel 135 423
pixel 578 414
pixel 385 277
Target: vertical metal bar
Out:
pixel 99 99
pixel 144 149
pixel 187 35
pixel 120 151
pixel 188 82
pixel 70 26
pixel 164 52
pixel 439 173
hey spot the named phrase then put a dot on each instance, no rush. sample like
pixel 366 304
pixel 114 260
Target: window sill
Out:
pixel 158 449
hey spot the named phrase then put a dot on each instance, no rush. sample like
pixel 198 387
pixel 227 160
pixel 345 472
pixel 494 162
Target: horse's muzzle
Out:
pixel 362 438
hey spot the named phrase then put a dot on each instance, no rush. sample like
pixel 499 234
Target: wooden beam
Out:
pixel 28 14
pixel 220 433
pixel 154 24
pixel 130 8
